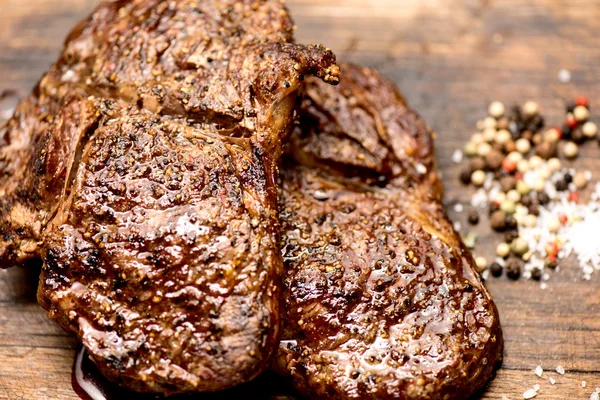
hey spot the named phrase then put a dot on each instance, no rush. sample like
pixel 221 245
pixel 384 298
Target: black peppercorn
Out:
pixel 465 177
pixel 526 201
pixel 543 198
pixel 536 274
pixel 511 222
pixel 513 269
pixel 496 269
pixel 534 209
pixel 473 217
pixel 566 132
pixel 561 185
pixel 568 177
pixel 511 235
pixel 577 135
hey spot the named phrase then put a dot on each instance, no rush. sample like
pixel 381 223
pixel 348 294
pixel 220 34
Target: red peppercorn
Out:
pixel 570 121
pixel 563 219
pixel 552 249
pixel 518 176
pixel 551 259
pixel 509 165
pixel 582 101
pixel 574 197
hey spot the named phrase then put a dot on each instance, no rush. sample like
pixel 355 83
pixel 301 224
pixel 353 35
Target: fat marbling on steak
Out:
pixel 381 296
pixel 142 171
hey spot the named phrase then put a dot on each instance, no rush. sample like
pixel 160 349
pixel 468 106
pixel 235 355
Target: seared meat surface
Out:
pixel 381 296
pixel 142 170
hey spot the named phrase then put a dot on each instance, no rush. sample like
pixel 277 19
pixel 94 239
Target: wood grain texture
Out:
pixel 450 58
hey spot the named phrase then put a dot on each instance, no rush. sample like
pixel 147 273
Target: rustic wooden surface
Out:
pixel 450 57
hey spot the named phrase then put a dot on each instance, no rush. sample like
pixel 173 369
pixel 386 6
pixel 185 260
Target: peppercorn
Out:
pixel 496 270
pixel 582 101
pixel 498 220
pixel 519 246
pixel 465 177
pixel 590 130
pixel 543 198
pixel 494 159
pixel 511 222
pixel 526 201
pixel 554 164
pixel 470 149
pixel 550 264
pixel 566 132
pixel 534 209
pixel 581 113
pixel 481 264
pixel 530 108
pixel 473 217
pixel 546 150
pixel 513 269
pixel 580 180
pixel 503 250
pixel 568 177
pixel 536 274
pixel 511 235
pixel 503 123
pixel 577 135
pixel 508 183
pixel 476 163
pixel 508 206
pixel 561 185
pixel 509 146
pixel 478 177
pixel 496 109
pixel 570 150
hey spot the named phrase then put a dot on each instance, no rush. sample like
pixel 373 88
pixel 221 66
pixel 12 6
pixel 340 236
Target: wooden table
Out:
pixel 450 57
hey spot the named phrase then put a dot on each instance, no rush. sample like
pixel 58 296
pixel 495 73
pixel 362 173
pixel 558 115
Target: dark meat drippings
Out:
pixel 90 384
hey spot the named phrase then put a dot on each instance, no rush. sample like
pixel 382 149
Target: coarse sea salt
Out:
pixel 539 371
pixel 560 370
pixel 529 394
pixel 594 396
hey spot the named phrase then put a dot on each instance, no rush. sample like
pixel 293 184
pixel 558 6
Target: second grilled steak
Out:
pixel 382 298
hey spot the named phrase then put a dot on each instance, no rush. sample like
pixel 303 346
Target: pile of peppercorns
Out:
pixel 515 162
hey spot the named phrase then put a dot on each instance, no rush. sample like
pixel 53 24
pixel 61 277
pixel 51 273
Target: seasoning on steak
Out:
pixel 381 296
pixel 142 170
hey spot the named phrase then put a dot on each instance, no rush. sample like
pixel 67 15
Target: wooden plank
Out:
pixel 450 58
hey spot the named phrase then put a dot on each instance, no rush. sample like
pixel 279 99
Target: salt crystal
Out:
pixel 457 156
pixel 505 398
pixel 421 169
pixel 543 285
pixel 458 208
pixel 552 381
pixel 457 226
pixel 539 371
pixel 583 384
pixel 564 76
pixel 594 396
pixel 536 387
pixel 560 370
pixel 529 394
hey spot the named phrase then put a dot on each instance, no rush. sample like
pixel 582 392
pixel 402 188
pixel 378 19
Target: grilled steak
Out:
pixel 142 170
pixel 381 296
